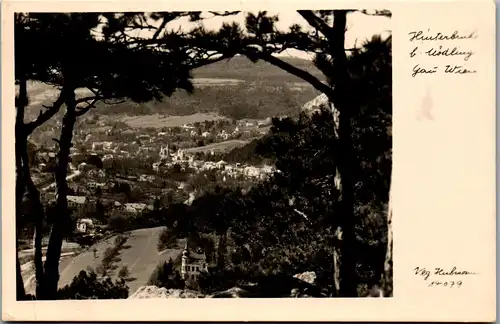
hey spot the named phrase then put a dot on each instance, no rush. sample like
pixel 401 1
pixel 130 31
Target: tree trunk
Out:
pixel 21 141
pixel 39 214
pixel 61 219
pixel 387 274
pixel 221 250
pixel 346 278
pixel 20 292
pixel 337 252
pixel 340 99
pixel 20 188
pixel 36 210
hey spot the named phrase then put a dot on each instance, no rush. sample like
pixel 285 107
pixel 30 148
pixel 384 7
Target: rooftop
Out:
pixel 77 199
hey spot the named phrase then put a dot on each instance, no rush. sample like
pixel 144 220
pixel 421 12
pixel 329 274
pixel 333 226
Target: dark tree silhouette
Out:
pixel 112 67
pixel 355 118
pixel 327 42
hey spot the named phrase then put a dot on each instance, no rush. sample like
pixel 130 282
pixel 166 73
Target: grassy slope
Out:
pixel 218 147
pixel 159 121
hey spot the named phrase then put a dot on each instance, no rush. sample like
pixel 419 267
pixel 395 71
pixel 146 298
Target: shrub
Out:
pixel 101 270
pixel 109 255
pixel 118 222
pixel 120 240
pixel 124 272
pixel 87 286
pixel 214 280
pixel 167 239
pixel 164 275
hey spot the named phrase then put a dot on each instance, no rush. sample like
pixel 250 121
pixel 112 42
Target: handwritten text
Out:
pixel 451 47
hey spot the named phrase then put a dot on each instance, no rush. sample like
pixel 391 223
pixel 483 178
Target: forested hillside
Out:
pixel 235 88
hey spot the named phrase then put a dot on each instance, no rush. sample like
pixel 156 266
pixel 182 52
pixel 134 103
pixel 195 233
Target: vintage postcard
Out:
pixel 302 160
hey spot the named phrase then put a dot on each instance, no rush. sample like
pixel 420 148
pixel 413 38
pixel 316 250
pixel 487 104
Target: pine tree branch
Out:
pixel 94 99
pixel 224 14
pixel 317 23
pixel 160 28
pixel 45 115
pixel 380 13
pixel 81 111
pixel 87 99
pixel 201 63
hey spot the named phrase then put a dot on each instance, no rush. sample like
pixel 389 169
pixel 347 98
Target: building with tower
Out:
pixel 164 153
pixel 192 263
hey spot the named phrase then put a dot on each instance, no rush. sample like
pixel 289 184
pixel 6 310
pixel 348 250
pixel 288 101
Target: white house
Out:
pixel 135 208
pixel 185 126
pixel 85 166
pixel 95 185
pixel 251 171
pixel 76 201
pixel 107 161
pixel 193 264
pixel 221 164
pixel 107 146
pixel 97 146
pixel 84 225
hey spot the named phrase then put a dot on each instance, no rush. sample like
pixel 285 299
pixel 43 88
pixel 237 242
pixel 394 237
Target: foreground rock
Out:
pixel 235 292
pixel 316 104
pixel 152 292
pixel 275 286
pixel 309 277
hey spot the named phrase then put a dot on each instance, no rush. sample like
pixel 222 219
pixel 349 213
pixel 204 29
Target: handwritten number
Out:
pixel 446 284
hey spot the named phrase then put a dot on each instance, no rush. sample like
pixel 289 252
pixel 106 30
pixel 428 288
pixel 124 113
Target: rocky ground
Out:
pixel 302 285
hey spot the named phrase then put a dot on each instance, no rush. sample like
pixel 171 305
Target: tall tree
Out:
pixel 326 40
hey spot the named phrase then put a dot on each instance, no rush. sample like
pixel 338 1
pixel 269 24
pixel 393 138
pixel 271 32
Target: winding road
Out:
pixel 140 255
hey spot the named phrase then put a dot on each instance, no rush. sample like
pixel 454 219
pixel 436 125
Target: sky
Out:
pixel 360 27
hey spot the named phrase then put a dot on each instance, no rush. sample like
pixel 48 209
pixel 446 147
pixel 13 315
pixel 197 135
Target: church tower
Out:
pixel 164 152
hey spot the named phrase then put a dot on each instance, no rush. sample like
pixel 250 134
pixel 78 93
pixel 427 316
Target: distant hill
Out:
pixel 240 67
pixel 236 88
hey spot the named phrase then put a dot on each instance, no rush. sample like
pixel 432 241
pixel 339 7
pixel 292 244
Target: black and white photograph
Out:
pixel 203 154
